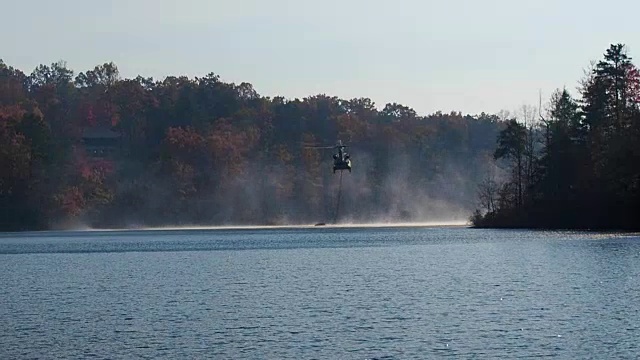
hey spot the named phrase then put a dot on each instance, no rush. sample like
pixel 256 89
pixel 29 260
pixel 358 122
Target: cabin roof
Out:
pixel 99 133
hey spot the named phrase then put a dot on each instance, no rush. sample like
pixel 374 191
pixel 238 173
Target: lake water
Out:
pixel 320 293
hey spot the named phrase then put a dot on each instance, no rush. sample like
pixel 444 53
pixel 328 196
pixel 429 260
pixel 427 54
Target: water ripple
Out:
pixel 339 294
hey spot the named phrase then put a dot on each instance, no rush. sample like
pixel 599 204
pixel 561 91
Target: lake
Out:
pixel 320 293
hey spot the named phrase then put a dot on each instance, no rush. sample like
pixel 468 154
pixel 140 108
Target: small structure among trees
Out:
pixel 100 141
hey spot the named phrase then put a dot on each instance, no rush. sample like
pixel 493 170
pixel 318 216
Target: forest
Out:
pixel 578 165
pixel 95 150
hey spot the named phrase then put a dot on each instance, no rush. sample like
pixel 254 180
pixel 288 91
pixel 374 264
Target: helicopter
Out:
pixel 341 159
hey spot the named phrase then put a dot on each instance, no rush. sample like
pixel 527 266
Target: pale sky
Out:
pixel 454 55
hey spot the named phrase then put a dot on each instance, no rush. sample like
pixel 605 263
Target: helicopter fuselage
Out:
pixel 341 161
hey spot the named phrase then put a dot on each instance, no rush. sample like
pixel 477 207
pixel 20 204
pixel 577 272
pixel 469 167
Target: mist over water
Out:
pixel 406 194
pixel 394 189
pixel 343 225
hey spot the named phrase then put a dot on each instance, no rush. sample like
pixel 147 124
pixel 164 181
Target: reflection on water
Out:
pixel 349 293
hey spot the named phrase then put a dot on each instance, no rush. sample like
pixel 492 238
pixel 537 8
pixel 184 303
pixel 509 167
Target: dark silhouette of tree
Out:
pixel 511 146
pixel 587 173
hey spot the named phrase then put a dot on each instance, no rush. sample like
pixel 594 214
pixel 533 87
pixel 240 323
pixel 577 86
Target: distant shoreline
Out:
pixel 249 227
pixel 557 228
pixel 26 233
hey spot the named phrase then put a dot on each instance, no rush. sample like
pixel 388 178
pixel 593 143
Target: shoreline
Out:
pixel 244 227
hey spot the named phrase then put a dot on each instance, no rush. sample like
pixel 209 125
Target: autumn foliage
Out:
pixel 100 150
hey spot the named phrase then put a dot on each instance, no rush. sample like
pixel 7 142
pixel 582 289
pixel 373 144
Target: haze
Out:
pixel 459 55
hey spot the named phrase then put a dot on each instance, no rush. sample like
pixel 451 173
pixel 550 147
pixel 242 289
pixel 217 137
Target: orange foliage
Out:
pixel 11 113
pixel 184 142
pixel 230 146
pixel 184 175
pixel 71 201
pixel 15 152
pixel 351 127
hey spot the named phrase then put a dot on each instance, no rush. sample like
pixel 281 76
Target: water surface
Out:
pixel 319 293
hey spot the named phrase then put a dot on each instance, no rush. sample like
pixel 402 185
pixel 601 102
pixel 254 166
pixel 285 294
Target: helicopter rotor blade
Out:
pixel 313 146
pixel 318 147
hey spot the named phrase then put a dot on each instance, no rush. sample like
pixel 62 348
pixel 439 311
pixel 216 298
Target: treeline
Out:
pixel 204 151
pixel 578 166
